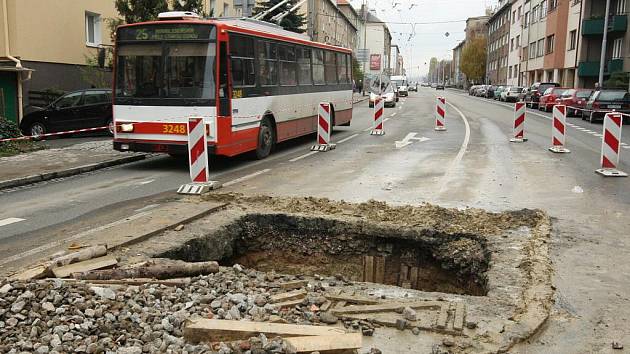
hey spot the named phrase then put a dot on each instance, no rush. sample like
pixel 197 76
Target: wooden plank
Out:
pixel 85 266
pixel 137 281
pixel 442 317
pixel 340 304
pixel 289 303
pixel 406 284
pixel 402 276
pixel 458 322
pixel 324 343
pixel 291 295
pixel 325 306
pixel 413 277
pixel 351 298
pixel 379 270
pixel 37 272
pixel 213 330
pixel 368 268
pixel 386 307
pixel 296 284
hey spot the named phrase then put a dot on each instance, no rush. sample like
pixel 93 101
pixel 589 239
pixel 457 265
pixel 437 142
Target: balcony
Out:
pixel 591 68
pixel 595 26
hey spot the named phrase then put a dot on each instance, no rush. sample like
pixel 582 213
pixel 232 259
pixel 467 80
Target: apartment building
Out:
pixel 498 44
pixel 378 41
pixel 459 79
pixel 326 23
pixel 536 27
pixel 617 49
pixel 357 21
pixel 476 27
pixel 44 45
pixel 514 56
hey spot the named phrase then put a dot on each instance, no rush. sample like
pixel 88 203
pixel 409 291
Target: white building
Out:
pixel 515 43
pixel 536 27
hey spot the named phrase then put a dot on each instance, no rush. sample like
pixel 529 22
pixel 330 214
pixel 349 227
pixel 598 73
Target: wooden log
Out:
pixel 291 295
pixel 168 270
pixel 79 256
pixel 212 330
pixel 379 270
pixel 351 298
pixel 290 303
pixel 84 266
pixel 311 344
pixel 296 284
pixel 368 268
pixel 136 282
pixel 386 307
pixel 37 272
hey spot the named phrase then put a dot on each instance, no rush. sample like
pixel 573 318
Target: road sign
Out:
pixel 363 55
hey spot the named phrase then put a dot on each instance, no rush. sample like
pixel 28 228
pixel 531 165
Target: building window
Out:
pixel 519 12
pixel 532 50
pixel 518 41
pixel 621 7
pixel 572 39
pixel 514 17
pixel 526 22
pixel 552 5
pixel 616 54
pixel 92 29
pixel 512 44
pixel 226 10
pixel 541 47
pixel 524 55
pixel 550 43
pixel 535 14
pixel 510 72
pixel 543 9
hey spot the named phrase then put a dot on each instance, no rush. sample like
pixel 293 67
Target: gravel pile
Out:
pixel 57 316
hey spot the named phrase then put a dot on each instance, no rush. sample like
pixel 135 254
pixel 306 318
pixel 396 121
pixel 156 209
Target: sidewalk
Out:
pixel 42 165
pixel 356 97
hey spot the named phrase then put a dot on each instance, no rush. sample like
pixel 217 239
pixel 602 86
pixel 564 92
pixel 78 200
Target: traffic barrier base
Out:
pixel 611 146
pixel 611 172
pixel 558 130
pixel 324 126
pixel 198 159
pixel 379 110
pixel 518 131
pixel 323 147
pixel 440 109
pixel 559 149
pixel 377 132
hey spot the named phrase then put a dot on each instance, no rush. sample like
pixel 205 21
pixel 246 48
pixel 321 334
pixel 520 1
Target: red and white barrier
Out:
pixel 611 146
pixel 379 107
pixel 559 129
pixel 324 127
pixel 198 159
pixel 54 134
pixel 518 132
pixel 440 114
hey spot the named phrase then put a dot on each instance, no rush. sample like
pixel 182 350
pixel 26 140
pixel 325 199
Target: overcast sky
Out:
pixel 429 39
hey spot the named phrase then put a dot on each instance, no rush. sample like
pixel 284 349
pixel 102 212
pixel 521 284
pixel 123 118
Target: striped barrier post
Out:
pixel 518 132
pixel 559 129
pixel 440 118
pixel 611 146
pixel 379 106
pixel 324 127
pixel 198 159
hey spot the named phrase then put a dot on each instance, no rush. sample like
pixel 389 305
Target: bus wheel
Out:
pixel 266 138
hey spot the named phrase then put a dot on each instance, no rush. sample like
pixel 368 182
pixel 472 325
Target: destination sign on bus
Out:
pixel 166 33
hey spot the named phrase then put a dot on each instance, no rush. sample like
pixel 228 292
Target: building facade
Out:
pixel 514 56
pixel 536 28
pixel 498 44
pixel 356 19
pixel 326 23
pixel 459 79
pixel 48 42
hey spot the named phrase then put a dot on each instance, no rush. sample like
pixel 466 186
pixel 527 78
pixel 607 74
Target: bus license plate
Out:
pixel 614 106
pixel 179 129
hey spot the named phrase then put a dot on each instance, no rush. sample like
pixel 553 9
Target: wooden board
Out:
pixel 325 306
pixel 296 284
pixel 340 304
pixel 213 330
pixel 386 307
pixel 458 322
pixel 368 268
pixel 413 277
pixel 289 303
pixel 402 276
pixel 137 281
pixel 324 343
pixel 85 266
pixel 291 295
pixel 379 270
pixel 351 298
pixel 37 272
pixel 443 317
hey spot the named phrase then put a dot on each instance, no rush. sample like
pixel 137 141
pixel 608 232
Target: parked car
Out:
pixel 504 92
pixel 524 92
pixel 471 89
pixel 75 110
pixel 548 99
pixel 604 101
pixel 490 91
pixel 481 91
pixel 497 92
pixel 512 94
pixel 439 87
pixel 413 87
pixel 433 85
pixel 575 100
pixel 535 91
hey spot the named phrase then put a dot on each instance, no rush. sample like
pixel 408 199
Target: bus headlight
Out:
pixel 126 128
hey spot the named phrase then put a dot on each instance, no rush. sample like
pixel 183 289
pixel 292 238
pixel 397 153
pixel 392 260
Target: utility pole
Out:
pixel 602 57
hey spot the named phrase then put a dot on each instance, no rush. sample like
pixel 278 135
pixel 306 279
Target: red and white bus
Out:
pixel 254 83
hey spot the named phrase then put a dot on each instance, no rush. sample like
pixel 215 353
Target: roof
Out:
pixel 508 4
pixel 461 44
pixel 345 3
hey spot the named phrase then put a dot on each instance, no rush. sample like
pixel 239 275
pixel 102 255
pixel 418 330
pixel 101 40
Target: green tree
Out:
pixel 357 70
pixel 433 64
pixel 195 6
pixel 293 22
pixel 473 59
pixel 134 11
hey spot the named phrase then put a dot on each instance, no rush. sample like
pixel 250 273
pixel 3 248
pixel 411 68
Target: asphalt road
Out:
pixel 472 164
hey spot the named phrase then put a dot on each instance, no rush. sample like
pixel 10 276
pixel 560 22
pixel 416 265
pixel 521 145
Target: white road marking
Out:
pixel 10 221
pixel 460 154
pixel 148 207
pixel 598 135
pixel 245 178
pixel 393 114
pixel 348 138
pixel 626 147
pixel 592 133
pixel 623 144
pixel 385 120
pixel 58 243
pixel 407 140
pixel 302 156
pixel 146 182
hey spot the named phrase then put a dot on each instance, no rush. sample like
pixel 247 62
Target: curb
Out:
pixel 22 181
pixel 360 100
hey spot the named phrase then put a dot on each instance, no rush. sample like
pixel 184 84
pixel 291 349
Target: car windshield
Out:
pixel 548 91
pixel 612 95
pixel 516 89
pixel 568 93
pixel 584 94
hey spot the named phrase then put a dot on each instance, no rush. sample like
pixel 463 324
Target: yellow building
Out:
pixel 43 44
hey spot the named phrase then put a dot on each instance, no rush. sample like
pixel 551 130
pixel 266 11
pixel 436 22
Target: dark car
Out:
pixel 605 101
pixel 439 87
pixel 535 91
pixel 75 110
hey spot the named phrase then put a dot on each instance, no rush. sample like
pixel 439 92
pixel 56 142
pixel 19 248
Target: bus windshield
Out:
pixel 166 73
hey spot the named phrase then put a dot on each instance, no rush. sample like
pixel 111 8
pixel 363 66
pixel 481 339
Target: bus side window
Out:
pixel 242 61
pixel 268 63
pixel 318 67
pixel 304 63
pixel 330 68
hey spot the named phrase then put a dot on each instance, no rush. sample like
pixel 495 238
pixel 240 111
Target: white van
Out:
pixel 401 82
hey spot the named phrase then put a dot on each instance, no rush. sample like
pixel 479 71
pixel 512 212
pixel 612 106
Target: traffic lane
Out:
pixel 39 206
pixel 372 167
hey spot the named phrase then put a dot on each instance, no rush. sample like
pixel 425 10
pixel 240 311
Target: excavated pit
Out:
pixel 359 251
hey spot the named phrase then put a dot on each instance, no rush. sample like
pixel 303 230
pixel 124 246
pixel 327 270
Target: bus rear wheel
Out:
pixel 266 139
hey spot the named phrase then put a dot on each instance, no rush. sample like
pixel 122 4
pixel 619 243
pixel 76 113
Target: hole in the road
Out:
pixel 424 259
